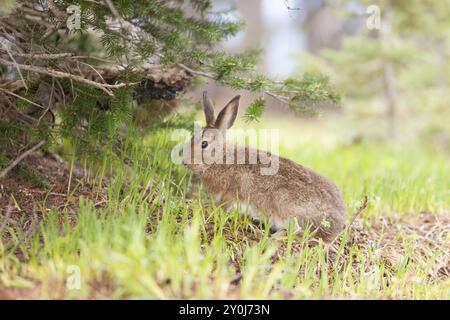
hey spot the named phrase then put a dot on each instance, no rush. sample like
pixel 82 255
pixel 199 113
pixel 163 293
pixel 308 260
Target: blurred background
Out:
pixel 388 59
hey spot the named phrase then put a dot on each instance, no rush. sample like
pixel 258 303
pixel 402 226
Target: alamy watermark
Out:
pixel 373 21
pixel 211 146
pixel 74 20
pixel 73 281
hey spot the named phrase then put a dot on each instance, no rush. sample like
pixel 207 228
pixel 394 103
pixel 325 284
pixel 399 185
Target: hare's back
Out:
pixel 306 185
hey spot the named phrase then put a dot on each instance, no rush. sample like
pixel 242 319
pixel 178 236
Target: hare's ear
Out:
pixel 226 117
pixel 208 109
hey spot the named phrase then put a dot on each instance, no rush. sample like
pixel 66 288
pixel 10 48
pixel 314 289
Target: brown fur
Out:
pixel 293 192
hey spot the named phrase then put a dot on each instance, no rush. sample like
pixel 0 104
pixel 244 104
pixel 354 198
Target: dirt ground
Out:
pixel 45 188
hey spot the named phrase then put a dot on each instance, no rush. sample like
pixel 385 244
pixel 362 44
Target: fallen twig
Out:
pixel 22 98
pixel 20 158
pixel 359 210
pixel 356 214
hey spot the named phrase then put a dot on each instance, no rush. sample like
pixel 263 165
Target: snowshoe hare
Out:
pixel 292 192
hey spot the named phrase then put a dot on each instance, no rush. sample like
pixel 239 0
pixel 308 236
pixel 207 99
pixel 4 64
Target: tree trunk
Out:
pixel 391 99
pixel 389 85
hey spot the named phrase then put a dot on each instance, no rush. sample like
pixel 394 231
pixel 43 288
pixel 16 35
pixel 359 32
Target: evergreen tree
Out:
pixel 82 69
pixel 408 54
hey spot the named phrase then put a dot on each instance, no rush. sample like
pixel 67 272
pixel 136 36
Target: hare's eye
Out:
pixel 204 144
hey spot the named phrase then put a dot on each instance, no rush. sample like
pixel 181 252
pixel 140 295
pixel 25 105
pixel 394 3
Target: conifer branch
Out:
pixel 43 56
pixel 59 74
pixel 148 52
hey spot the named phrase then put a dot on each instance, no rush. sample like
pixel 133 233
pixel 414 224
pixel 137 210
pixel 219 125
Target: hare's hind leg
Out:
pixel 245 208
pixel 276 223
pixel 256 215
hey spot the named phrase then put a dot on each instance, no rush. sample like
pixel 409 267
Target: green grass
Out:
pixel 160 237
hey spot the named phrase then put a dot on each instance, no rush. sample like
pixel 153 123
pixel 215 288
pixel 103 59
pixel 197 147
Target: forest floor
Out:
pixel 148 230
